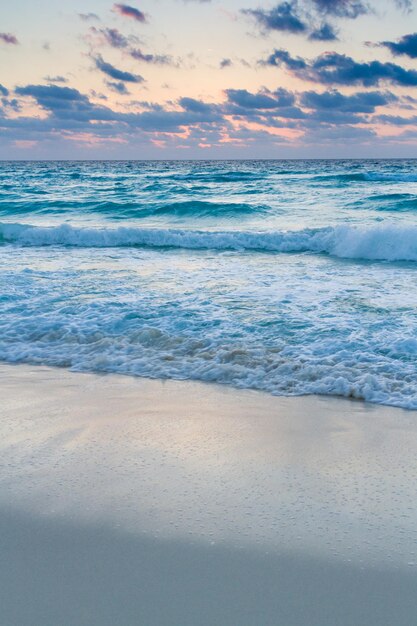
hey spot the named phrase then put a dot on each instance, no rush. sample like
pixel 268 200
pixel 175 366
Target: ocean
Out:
pixel 291 277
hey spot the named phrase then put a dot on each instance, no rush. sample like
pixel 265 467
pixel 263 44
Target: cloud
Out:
pixel 10 103
pixel 361 102
pixel 330 134
pixel 306 111
pixel 98 95
pixel 407 45
pixel 118 87
pixel 283 17
pixel 225 63
pixel 275 109
pixel 325 32
pixel 97 37
pixel 113 37
pixel 396 120
pixel 342 8
pixel 195 106
pixel 305 17
pixel 242 116
pixel 175 121
pixel 69 109
pixel 3 90
pixel 54 97
pixel 339 69
pixel 283 57
pixel 157 59
pixel 116 74
pixel 88 17
pixel 288 17
pixel 128 11
pixel 39 92
pixel 406 5
pixel 9 39
pixel 269 100
pixel 56 79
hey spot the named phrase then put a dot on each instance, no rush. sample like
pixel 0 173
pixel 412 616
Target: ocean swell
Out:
pixel 124 209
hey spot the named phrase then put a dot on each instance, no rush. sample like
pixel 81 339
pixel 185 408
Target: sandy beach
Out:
pixel 133 501
pixel 208 313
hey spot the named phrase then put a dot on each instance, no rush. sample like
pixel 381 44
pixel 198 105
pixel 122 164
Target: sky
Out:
pixel 208 79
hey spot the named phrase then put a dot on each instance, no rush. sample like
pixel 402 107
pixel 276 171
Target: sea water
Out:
pixel 292 277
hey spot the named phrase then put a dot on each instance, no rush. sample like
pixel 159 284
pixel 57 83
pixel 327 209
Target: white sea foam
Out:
pixel 75 339
pixel 287 325
pixel 100 289
pixel 385 242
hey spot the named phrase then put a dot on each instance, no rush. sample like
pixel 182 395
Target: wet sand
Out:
pixel 131 501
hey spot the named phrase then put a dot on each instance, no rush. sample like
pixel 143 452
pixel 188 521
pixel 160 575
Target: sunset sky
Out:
pixel 208 79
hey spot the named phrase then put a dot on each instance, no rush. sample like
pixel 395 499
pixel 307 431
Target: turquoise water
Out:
pixel 292 277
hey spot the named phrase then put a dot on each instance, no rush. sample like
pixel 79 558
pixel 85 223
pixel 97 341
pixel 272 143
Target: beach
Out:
pixel 208 393
pixel 208 313
pixel 133 501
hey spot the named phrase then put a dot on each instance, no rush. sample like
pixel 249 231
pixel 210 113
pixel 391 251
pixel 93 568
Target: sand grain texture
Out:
pixel 130 501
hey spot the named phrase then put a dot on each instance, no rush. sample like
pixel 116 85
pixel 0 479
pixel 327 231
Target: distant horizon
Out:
pixel 207 160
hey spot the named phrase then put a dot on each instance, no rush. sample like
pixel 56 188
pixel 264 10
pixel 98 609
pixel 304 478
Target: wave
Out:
pixel 382 242
pixel 395 202
pixel 218 176
pixel 199 208
pixel 347 177
pixel 394 178
pixel 338 177
pixel 119 210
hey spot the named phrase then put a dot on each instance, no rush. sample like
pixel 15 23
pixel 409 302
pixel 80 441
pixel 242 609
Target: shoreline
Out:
pixel 211 383
pixel 231 506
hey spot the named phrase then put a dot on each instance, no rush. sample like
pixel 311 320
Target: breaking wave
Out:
pixel 387 242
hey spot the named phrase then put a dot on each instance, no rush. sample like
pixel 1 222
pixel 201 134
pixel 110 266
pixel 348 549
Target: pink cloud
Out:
pixel 128 11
